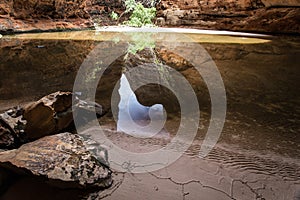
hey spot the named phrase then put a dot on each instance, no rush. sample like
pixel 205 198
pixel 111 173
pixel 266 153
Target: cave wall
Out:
pixel 35 15
pixel 288 3
pixel 271 16
pixel 31 69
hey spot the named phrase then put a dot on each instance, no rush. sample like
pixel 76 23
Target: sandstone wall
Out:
pixel 272 16
pixel 34 15
pixel 269 3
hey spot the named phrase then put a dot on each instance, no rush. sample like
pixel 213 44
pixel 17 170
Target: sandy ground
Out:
pixel 228 172
pixel 232 170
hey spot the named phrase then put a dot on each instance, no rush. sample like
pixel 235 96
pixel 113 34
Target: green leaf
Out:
pixel 141 16
pixel 114 15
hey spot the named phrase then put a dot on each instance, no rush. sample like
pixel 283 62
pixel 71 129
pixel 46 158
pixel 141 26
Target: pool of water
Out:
pixel 260 75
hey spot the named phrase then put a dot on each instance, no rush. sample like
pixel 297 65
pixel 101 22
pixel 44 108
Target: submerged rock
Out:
pixel 62 157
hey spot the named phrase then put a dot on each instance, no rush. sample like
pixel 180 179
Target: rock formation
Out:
pixel 49 115
pixel 271 16
pixel 63 157
pixel 277 16
pixel 7 138
pixel 12 127
pixel 63 160
pixel 35 15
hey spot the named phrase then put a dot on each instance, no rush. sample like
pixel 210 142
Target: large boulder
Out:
pixel 63 159
pixel 49 115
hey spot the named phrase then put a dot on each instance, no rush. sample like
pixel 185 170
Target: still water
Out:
pixel 260 75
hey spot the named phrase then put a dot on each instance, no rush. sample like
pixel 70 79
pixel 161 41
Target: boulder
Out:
pixel 63 159
pixel 12 128
pixel 49 115
pixel 85 111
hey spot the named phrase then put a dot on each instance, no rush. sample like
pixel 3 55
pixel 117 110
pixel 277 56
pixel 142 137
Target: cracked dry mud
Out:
pixel 192 178
pixel 228 172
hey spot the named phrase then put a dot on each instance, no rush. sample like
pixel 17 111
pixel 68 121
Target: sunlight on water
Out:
pixel 160 35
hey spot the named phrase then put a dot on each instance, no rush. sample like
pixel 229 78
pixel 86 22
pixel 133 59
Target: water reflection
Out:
pixel 136 119
pixel 261 76
pixel 160 35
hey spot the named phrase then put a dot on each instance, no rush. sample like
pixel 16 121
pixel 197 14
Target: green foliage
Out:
pixel 114 15
pixel 141 16
pixel 92 74
pixel 129 5
pixel 146 40
pixel 139 42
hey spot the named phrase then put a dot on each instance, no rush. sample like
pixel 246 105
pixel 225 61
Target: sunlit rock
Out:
pixel 232 15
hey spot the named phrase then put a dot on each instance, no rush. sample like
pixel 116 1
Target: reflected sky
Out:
pixel 136 119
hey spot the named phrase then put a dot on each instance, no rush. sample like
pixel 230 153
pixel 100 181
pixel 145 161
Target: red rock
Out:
pixel 36 15
pixel 49 115
pixel 244 15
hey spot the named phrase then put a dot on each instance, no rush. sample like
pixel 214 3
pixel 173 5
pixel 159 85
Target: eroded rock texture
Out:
pixel 245 15
pixel 49 9
pixel 62 157
pixel 49 115
pixel 18 15
pixel 7 138
pixel 12 128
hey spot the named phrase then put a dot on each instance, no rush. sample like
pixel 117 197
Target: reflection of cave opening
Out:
pixel 132 114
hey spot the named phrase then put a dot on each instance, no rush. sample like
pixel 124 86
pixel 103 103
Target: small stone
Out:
pixel 160 21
